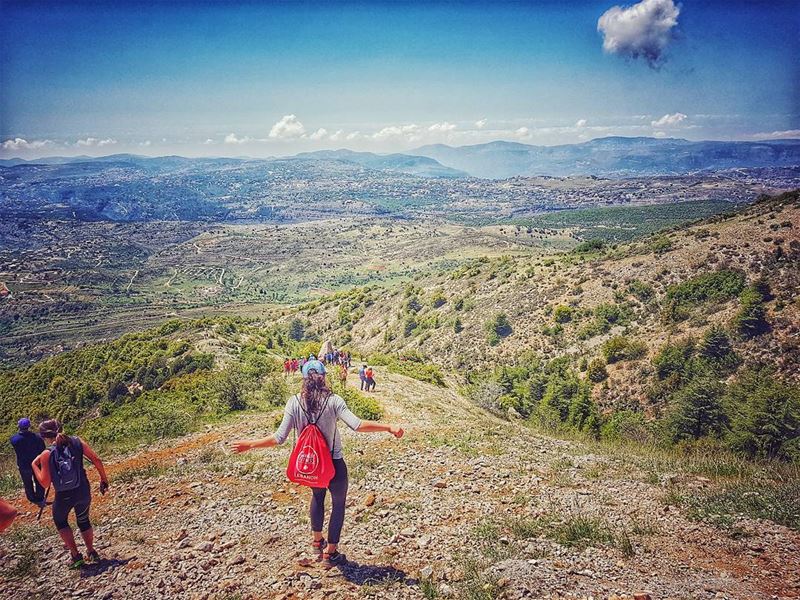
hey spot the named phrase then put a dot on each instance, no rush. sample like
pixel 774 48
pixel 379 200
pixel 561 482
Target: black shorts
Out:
pixel 79 499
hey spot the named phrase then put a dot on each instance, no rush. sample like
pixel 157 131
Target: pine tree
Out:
pixel 697 410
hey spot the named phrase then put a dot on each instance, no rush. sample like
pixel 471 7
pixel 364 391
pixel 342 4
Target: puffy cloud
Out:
pixel 353 135
pixel 208 142
pixel 522 133
pixel 337 135
pixel 481 123
pixel 787 134
pixel 23 144
pixel 442 127
pixel 319 134
pixel 287 128
pixel 91 141
pixel 580 123
pixel 659 134
pixel 232 138
pixel 643 30
pixel 407 132
pixel 669 120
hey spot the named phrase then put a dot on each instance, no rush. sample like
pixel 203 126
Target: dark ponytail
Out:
pixel 53 429
pixel 315 391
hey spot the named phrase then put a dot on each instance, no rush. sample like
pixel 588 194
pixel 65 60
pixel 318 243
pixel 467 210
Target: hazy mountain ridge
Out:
pixel 612 157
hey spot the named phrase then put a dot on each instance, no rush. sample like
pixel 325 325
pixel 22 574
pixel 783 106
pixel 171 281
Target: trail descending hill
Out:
pixel 465 505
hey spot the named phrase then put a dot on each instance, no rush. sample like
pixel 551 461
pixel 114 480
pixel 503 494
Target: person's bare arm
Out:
pixel 373 427
pixel 89 453
pixel 245 445
pixel 41 468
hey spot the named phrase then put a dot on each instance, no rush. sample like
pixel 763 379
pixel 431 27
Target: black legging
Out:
pixel 80 499
pixel 338 488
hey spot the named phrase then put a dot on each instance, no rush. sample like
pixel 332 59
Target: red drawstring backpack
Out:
pixel 310 462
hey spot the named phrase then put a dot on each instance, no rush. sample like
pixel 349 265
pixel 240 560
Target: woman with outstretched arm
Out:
pixel 325 409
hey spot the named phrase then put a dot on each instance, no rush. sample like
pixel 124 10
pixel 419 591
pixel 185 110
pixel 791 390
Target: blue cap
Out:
pixel 313 365
pixel 24 423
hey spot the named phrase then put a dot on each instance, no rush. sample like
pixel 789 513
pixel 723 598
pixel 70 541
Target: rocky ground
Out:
pixel 464 506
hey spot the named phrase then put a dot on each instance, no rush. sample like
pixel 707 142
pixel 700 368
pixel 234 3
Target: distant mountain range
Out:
pixel 421 166
pixel 613 157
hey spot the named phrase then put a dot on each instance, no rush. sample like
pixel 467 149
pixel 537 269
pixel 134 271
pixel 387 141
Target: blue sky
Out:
pixel 234 78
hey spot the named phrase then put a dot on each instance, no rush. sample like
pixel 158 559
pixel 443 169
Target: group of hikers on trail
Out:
pixel 367 377
pixel 54 459
pixel 330 357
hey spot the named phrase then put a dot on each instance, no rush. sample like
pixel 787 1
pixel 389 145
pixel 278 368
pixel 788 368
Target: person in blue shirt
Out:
pixel 27 446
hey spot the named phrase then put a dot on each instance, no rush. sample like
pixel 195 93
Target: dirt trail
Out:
pixel 185 519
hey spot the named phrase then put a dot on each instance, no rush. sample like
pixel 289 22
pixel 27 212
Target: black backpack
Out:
pixel 66 466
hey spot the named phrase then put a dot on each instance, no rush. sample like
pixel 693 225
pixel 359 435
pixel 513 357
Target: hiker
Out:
pixel 324 409
pixel 370 375
pixel 362 375
pixel 294 366
pixel 27 446
pixel 62 466
pixel 343 374
pixel 287 367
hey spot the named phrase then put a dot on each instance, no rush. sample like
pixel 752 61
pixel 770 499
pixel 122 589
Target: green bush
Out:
pixel 593 245
pixel 621 348
pixel 296 330
pixel 718 286
pixel 497 327
pixel 562 313
pixel 628 426
pixel 596 370
pixel 661 245
pixel 697 410
pixel 641 290
pixel 765 416
pixel 751 319
pixel 363 406
pixel 674 359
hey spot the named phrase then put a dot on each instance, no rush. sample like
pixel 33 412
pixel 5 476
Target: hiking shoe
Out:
pixel 334 559
pixel 319 547
pixel 76 562
pixel 94 556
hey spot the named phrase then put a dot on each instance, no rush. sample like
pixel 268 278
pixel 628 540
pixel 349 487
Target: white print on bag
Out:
pixel 307 461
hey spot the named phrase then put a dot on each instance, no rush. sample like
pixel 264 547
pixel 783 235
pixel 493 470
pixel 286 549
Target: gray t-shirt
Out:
pixel 335 409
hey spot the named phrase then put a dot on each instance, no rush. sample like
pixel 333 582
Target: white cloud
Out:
pixel 481 123
pixel 232 138
pixel 669 120
pixel 91 141
pixel 23 144
pixel 522 133
pixel 659 134
pixel 336 135
pixel 287 128
pixel 319 134
pixel 353 135
pixel 778 135
pixel 442 127
pixel 409 133
pixel 146 143
pixel 208 142
pixel 643 30
pixel 580 123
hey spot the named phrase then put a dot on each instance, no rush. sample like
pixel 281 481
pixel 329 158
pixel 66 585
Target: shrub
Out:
pixel 765 416
pixel 438 299
pixel 457 327
pixel 697 410
pixel 621 348
pixel 364 407
pixel 751 319
pixel 231 390
pixel 661 245
pixel 562 313
pixel 593 245
pixel 717 286
pixel 627 425
pixel 674 359
pixel 641 290
pixel 296 330
pixel 596 370
pixel 409 325
pixel 497 327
